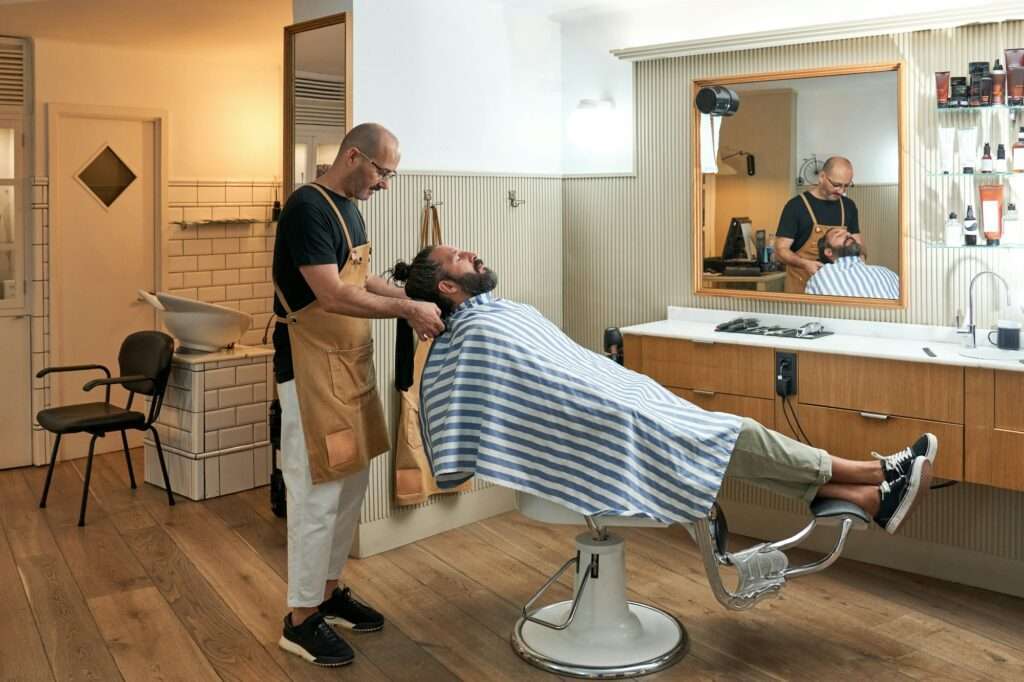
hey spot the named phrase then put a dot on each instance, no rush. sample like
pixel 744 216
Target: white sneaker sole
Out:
pixel 293 648
pixel 348 625
pixel 920 480
pixel 933 447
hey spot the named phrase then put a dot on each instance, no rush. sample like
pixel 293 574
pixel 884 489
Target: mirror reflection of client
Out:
pixel 808 216
pixel 843 273
pixel 505 395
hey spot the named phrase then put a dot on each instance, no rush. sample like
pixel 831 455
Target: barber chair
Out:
pixel 600 635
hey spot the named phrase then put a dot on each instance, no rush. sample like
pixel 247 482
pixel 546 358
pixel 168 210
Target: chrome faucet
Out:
pixel 971 324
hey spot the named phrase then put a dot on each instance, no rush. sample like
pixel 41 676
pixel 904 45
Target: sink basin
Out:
pixel 197 325
pixel 992 353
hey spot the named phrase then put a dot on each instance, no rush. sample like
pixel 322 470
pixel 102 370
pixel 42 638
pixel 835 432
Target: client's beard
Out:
pixel 476 283
pixel 851 248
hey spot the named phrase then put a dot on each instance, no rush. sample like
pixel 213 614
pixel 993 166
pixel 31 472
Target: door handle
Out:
pixel 875 415
pixel 706 394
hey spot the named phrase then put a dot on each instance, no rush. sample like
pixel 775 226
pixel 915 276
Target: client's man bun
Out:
pixel 400 272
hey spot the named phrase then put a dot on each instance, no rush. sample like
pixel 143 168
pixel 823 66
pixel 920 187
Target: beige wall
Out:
pixel 225 112
pixel 764 126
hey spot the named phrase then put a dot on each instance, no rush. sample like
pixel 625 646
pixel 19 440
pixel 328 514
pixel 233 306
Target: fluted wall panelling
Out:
pixel 627 240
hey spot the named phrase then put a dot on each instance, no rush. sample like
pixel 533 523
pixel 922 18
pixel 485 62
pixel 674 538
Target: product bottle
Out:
pixel 1011 226
pixel 999 165
pixel 970 227
pixel 953 235
pixel 998 84
pixel 275 211
pixel 1018 152
pixel 986 159
pixel 992 213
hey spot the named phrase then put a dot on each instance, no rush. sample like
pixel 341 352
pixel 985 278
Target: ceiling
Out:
pixel 227 25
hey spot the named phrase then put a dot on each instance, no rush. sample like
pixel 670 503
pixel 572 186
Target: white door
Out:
pixel 16 409
pixel 103 235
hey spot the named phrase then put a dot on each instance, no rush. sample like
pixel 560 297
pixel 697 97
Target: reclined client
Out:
pixel 508 397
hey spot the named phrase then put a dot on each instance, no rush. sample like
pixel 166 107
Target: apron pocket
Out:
pixel 342 448
pixel 352 372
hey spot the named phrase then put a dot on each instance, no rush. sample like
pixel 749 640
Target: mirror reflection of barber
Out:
pixel 807 217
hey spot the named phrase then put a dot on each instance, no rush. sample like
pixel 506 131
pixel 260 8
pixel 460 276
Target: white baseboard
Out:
pixel 448 512
pixel 906 554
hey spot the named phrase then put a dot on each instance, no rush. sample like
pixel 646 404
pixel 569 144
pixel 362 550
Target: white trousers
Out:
pixel 321 518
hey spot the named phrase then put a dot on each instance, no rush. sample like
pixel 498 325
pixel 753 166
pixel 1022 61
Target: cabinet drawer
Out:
pixel 995 457
pixel 759 409
pixel 718 367
pixel 1008 407
pixel 907 389
pixel 848 434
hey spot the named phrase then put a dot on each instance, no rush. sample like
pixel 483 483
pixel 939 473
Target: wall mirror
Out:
pixel 317 96
pixel 772 222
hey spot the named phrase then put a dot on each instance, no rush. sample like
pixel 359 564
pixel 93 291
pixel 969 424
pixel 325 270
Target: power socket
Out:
pixel 785 373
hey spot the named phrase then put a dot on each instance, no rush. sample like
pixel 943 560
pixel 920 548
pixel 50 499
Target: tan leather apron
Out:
pixel 796 278
pixel 332 357
pixel 414 480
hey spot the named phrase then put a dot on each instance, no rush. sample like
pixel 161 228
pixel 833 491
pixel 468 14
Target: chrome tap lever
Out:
pixel 972 325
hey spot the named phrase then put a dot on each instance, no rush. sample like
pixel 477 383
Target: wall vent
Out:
pixel 319 102
pixel 13 73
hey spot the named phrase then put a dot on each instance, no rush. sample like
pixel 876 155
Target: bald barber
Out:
pixel 809 216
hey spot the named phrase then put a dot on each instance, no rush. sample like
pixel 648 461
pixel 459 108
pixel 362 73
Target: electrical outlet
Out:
pixel 785 373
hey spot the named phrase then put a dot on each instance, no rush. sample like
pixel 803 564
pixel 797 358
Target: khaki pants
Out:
pixel 771 460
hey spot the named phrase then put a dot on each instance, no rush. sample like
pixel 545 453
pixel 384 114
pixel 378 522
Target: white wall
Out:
pixel 225 113
pixel 467 85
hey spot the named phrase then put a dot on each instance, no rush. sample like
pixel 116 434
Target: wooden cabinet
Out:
pixel 15 412
pixel 715 367
pixel 885 387
pixel 758 409
pixel 994 428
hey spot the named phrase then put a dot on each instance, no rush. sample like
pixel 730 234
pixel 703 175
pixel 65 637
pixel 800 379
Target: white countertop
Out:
pixel 885 340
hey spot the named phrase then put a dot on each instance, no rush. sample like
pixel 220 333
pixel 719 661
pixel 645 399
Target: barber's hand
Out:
pixel 811 266
pixel 425 319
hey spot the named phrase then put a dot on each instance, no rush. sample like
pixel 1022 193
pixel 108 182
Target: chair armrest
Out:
pixel 70 368
pixel 115 380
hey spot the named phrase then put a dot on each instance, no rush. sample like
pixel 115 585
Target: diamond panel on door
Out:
pixel 107 176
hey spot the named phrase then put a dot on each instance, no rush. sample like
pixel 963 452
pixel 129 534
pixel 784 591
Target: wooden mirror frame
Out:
pixel 698 197
pixel 288 158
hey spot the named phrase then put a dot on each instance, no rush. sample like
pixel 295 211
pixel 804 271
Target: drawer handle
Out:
pixel 875 415
pixel 706 394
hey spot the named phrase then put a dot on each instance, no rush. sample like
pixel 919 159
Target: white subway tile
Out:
pixel 235 436
pixel 195 213
pixel 261 466
pixel 239 194
pixel 212 442
pixel 198 247
pixel 174 247
pixel 248 275
pixel 211 195
pixel 220 419
pixel 210 231
pixel 181 263
pixel 212 482
pixel 236 230
pixel 236 472
pixel 211 294
pixel 259 432
pixel 239 291
pixel 211 400
pixel 262 194
pixel 252 244
pixel 263 290
pixel 263 259
pixel 219 378
pixel 254 305
pixel 225 277
pixel 225 245
pixel 239 260
pixel 259 392
pixel 250 374
pixel 186 293
pixel 181 194
pixel 174 280
pixel 236 395
pixel 197 279
pixel 215 262
pixel 225 212
pixel 251 414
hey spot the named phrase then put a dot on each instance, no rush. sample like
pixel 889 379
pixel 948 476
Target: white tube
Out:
pixel 947 138
pixel 967 141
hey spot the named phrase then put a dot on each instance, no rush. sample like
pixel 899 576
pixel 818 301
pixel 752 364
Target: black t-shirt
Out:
pixel 795 222
pixel 308 233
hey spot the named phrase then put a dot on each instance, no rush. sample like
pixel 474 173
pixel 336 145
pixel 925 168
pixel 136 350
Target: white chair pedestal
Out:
pixel 604 636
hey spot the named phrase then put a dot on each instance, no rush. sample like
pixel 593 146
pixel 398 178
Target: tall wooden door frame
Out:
pixel 56 113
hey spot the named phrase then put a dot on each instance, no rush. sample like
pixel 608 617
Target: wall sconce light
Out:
pixel 591 119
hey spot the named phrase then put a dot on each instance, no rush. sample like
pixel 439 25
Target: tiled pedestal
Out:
pixel 213 425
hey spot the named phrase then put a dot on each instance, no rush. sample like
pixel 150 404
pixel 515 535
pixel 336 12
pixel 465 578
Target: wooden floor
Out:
pixel 196 592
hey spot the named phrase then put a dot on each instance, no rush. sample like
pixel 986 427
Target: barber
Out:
pixel 332 420
pixel 809 216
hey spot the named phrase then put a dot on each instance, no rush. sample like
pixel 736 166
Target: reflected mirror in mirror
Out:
pixel 779 219
pixel 317 74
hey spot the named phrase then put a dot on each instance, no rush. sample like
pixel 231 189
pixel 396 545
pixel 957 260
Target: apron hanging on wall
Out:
pixel 414 482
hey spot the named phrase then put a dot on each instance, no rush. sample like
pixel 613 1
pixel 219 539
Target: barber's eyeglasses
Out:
pixel 384 173
pixel 842 187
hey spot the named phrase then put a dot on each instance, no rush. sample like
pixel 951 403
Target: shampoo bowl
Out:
pixel 197 325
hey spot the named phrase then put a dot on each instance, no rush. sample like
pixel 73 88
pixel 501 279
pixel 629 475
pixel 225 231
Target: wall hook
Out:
pixel 428 198
pixel 513 201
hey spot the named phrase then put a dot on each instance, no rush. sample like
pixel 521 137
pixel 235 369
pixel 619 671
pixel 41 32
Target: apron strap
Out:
pixel 842 213
pixel 814 219
pixel 330 202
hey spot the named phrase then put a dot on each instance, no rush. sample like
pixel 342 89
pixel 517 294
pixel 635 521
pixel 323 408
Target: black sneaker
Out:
pixel 344 610
pixel 899 464
pixel 897 498
pixel 315 641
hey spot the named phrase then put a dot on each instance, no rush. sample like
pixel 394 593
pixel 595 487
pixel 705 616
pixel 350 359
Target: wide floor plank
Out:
pixel 22 656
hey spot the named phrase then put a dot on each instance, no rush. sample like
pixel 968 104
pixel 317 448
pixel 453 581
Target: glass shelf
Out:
pixel 997 107
pixel 981 247
pixel 976 175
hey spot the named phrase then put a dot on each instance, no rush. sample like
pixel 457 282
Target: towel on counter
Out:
pixel 508 397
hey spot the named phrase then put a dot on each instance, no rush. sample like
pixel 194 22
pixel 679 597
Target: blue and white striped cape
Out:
pixel 850 276
pixel 507 397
